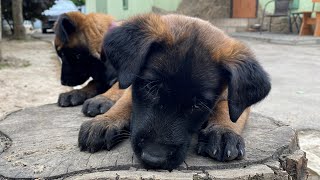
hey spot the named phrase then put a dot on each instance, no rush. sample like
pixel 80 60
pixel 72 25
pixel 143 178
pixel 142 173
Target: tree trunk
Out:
pixel 0 33
pixel 18 28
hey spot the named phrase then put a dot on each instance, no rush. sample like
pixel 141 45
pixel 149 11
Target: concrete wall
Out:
pixel 168 5
pixel 101 6
pixel 91 6
pixel 116 8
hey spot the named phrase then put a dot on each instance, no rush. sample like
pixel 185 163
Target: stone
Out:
pixel 205 9
pixel 43 144
pixel 309 141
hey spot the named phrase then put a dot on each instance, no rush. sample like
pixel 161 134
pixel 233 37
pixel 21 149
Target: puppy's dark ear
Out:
pixel 248 84
pixel 128 45
pixel 64 28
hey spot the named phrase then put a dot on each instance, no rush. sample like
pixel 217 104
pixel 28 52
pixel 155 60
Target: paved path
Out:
pixel 295 94
pixel 290 39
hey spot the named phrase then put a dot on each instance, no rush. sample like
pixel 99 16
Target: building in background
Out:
pixel 230 15
pixel 122 9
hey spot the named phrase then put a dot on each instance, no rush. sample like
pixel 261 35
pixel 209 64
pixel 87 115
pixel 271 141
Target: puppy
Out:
pixel 78 43
pixel 183 77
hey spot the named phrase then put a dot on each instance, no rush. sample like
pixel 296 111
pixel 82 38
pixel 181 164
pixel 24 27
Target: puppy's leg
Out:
pixel 221 139
pixel 108 129
pixel 78 96
pixel 103 102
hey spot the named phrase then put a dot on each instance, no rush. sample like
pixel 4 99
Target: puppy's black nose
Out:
pixel 152 159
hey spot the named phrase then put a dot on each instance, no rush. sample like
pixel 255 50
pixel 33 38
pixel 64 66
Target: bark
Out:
pixel 0 33
pixel 17 14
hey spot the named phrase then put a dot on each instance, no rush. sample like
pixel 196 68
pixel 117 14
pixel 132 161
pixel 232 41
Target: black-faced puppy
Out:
pixel 187 77
pixel 78 43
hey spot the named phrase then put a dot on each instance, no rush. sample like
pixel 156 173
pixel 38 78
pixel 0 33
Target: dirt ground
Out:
pixel 32 76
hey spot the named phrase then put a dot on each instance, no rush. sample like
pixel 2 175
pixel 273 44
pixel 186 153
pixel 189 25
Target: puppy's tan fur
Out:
pixel 90 31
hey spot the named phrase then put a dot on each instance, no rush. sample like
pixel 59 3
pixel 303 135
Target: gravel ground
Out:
pixel 32 77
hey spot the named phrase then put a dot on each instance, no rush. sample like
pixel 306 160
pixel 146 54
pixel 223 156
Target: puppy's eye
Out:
pixel 141 142
pixel 152 88
pixel 196 103
pixel 78 56
pixel 151 84
pixel 196 106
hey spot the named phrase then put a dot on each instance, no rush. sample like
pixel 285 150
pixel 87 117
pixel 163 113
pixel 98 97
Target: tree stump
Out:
pixel 41 142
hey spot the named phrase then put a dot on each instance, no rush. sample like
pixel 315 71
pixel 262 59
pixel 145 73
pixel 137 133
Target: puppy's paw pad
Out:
pixel 95 135
pixel 72 98
pixel 97 105
pixel 221 144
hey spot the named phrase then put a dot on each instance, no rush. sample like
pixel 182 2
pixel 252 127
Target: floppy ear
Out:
pixel 128 45
pixel 248 84
pixel 64 27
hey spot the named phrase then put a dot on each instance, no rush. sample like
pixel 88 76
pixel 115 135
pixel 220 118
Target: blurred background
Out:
pixel 230 15
pixel 288 47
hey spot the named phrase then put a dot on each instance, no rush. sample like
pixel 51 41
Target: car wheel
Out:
pixel 44 31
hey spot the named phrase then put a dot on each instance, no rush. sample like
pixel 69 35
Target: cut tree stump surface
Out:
pixel 41 142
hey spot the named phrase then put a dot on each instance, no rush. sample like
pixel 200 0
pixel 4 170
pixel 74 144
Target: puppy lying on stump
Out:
pixel 183 76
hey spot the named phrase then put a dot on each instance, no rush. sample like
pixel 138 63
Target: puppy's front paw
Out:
pixel 72 98
pixel 96 105
pixel 221 144
pixel 102 133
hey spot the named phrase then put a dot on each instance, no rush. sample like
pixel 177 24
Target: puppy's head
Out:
pixel 177 75
pixel 72 46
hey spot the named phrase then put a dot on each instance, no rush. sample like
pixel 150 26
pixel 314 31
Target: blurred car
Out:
pixel 52 14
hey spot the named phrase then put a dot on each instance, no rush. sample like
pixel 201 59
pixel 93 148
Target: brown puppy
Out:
pixel 78 43
pixel 187 77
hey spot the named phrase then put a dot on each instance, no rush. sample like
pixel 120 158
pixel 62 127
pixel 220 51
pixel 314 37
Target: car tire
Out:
pixel 44 31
